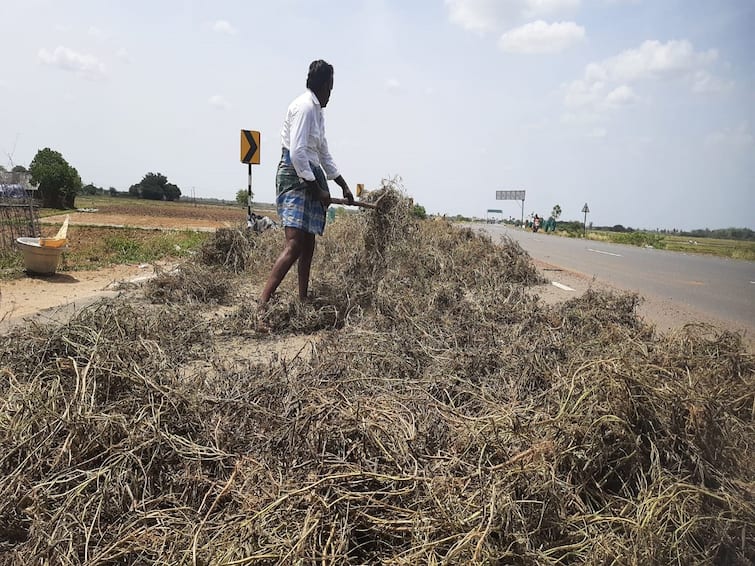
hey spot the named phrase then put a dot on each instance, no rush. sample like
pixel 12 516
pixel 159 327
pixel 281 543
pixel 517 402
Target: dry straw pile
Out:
pixel 446 416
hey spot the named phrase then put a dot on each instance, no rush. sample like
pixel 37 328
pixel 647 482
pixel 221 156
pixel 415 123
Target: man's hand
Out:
pixel 347 194
pixel 324 198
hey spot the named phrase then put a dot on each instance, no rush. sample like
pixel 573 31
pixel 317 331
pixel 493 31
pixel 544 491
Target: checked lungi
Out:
pixel 297 206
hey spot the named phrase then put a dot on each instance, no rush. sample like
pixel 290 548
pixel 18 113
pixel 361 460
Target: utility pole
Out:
pixel 585 209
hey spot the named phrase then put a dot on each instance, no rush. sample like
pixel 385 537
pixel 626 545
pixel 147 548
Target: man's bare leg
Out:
pixel 296 242
pixel 305 264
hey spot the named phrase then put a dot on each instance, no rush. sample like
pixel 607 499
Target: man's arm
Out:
pixel 332 170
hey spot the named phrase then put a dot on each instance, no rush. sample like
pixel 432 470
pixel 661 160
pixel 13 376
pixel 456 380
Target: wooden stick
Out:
pixel 354 203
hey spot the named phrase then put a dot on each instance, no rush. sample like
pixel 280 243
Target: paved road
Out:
pixel 721 288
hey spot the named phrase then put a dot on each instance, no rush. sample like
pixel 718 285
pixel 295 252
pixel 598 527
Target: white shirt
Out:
pixel 303 134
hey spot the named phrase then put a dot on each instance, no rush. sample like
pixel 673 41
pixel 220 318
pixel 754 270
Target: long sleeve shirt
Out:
pixel 303 134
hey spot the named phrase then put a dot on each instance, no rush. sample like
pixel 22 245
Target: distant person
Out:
pixel 536 223
pixel 302 194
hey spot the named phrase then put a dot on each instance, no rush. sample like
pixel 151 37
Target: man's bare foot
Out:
pixel 260 324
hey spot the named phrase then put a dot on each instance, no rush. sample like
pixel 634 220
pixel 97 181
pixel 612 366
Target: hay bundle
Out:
pixel 239 249
pixel 187 283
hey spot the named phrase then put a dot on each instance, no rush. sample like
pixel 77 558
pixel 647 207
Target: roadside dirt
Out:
pixel 664 314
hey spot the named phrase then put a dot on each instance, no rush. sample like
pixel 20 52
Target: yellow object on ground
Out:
pixel 59 240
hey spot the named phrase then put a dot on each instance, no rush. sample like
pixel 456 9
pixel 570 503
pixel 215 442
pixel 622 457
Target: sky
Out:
pixel 642 109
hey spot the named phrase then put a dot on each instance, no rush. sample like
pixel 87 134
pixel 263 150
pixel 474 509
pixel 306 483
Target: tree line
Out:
pixel 58 182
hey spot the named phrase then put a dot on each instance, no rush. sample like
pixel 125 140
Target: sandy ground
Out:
pixel 37 295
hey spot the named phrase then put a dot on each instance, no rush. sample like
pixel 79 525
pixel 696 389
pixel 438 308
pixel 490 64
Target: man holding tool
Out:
pixel 302 195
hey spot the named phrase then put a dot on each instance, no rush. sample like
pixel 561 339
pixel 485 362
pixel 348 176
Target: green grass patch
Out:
pixel 638 238
pixel 735 249
pixel 92 248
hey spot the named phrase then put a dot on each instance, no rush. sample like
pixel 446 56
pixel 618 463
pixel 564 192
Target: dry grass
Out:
pixel 446 417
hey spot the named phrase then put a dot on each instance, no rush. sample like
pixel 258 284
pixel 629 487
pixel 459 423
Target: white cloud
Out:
pixel 218 101
pixel 654 59
pixel 393 85
pixel 97 33
pixel 482 16
pixel 69 60
pixel 474 15
pixel 621 96
pixel 541 37
pixel 703 82
pixel 223 26
pixel 606 84
pixel 739 137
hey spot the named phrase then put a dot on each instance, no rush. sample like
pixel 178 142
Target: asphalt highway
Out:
pixel 719 287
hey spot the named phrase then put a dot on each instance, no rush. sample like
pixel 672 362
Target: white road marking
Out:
pixel 602 252
pixel 562 286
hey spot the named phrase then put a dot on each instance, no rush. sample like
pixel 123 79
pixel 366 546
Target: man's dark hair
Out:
pixel 319 74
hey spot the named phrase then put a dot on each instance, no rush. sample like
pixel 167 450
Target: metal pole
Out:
pixel 522 226
pixel 249 199
pixel 584 227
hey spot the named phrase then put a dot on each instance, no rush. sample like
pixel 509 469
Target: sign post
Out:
pixel 250 154
pixel 585 209
pixel 512 195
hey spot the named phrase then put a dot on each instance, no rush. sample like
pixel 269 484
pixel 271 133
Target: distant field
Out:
pixel 130 230
pixel 735 249
pixel 181 208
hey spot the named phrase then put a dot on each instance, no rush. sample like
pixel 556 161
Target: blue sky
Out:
pixel 643 109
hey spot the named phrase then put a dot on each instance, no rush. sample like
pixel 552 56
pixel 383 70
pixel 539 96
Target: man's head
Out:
pixel 320 80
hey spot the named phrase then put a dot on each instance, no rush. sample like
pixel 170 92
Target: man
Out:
pixel 301 187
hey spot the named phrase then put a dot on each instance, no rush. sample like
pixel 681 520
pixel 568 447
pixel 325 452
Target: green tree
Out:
pixel 19 169
pixel 242 197
pixel 91 189
pixel 172 192
pixel 418 211
pixel 58 182
pixel 155 186
pixel 556 212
